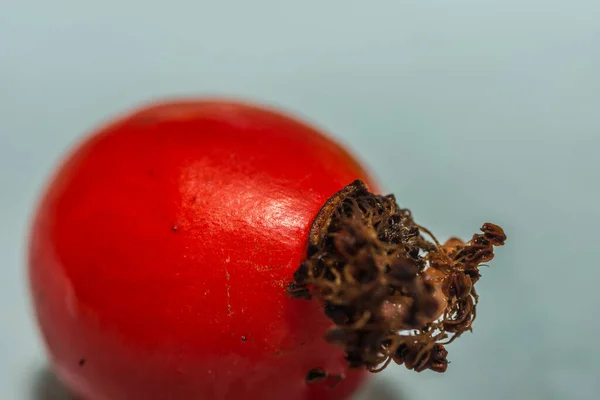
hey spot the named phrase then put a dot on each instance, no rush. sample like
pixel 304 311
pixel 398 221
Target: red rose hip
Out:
pixel 168 248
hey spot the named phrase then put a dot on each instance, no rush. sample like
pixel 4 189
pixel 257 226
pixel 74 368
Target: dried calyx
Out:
pixel 391 293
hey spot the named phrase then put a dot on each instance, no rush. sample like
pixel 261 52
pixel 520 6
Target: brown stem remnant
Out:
pixel 392 294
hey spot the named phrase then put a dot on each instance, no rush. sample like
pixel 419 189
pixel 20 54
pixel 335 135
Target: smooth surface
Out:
pixel 162 248
pixel 468 110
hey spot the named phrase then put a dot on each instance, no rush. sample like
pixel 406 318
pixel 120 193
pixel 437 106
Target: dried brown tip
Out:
pixel 392 294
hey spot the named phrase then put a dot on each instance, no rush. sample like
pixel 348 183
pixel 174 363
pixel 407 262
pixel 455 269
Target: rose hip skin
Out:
pixel 161 251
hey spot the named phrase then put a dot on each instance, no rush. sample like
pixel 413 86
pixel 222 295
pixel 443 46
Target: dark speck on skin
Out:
pixel 174 228
pixel 82 362
pixel 244 338
pixel 316 375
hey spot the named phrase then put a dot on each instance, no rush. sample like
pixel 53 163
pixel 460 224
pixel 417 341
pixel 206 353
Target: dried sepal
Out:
pixel 391 290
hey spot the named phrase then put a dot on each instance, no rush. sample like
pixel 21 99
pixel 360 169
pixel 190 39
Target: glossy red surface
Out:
pixel 161 248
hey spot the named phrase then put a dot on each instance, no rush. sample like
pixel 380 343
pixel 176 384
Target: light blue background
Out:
pixel 468 110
